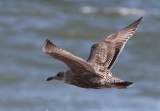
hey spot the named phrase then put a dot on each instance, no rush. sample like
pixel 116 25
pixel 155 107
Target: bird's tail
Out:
pixel 123 85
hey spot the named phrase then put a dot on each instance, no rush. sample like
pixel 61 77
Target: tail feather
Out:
pixel 123 85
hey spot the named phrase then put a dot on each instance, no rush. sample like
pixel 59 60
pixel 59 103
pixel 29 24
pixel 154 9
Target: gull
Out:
pixel 95 72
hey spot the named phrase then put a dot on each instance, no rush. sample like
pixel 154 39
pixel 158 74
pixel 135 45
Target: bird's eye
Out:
pixel 59 75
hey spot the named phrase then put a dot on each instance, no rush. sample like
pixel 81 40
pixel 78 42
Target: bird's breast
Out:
pixel 87 81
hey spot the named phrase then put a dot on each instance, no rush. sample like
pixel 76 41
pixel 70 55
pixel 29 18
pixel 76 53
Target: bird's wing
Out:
pixel 105 52
pixel 76 64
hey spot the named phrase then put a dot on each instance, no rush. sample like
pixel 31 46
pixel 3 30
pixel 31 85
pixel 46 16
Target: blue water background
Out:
pixel 75 25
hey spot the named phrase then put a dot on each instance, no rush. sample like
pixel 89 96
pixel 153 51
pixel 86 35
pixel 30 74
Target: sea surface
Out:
pixel 74 25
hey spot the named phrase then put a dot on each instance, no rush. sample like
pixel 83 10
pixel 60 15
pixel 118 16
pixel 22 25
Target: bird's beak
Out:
pixel 50 78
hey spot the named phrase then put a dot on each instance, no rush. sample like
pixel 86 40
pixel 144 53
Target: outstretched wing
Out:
pixel 105 52
pixel 76 64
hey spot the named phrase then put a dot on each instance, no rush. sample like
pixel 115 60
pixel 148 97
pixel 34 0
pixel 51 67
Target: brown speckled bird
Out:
pixel 95 72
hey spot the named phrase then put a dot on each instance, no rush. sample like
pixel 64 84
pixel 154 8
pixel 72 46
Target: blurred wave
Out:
pixel 115 10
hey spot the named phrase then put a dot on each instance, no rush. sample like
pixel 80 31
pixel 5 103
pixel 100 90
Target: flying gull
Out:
pixel 95 72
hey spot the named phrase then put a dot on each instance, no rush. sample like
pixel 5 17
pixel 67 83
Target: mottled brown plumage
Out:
pixel 95 72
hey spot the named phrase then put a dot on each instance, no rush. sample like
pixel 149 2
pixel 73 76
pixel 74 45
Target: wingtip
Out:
pixel 135 23
pixel 46 44
pixel 139 20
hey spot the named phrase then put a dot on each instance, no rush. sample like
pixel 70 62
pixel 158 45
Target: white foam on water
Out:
pixel 114 10
pixel 126 11
pixel 88 10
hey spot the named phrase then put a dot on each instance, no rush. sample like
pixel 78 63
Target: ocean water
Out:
pixel 74 25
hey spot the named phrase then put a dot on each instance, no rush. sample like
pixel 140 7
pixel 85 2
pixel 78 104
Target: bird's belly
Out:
pixel 88 82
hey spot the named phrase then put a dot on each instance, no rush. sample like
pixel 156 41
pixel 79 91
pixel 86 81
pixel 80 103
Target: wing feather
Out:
pixel 76 64
pixel 105 52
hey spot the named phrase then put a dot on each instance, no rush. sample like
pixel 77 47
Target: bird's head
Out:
pixel 59 76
